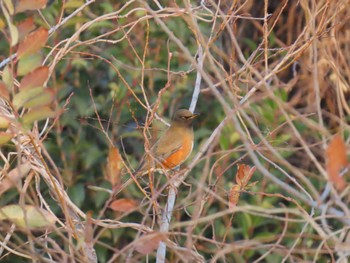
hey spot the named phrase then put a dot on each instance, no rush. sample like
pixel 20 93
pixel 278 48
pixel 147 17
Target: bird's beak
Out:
pixel 194 115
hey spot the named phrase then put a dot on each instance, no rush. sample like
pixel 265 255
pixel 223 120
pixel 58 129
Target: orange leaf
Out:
pixel 36 78
pixel 233 196
pixel 123 205
pixel 148 243
pixel 336 161
pixel 244 174
pixel 25 27
pixel 33 42
pixel 24 5
pixel 114 166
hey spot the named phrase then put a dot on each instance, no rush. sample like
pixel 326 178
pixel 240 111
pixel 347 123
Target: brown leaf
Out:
pixel 2 24
pixel 244 174
pixel 4 93
pixel 234 195
pixel 89 230
pixel 123 205
pixel 25 27
pixel 336 161
pixel 24 5
pixel 36 78
pixel 33 42
pixel 12 178
pixel 149 242
pixel 114 166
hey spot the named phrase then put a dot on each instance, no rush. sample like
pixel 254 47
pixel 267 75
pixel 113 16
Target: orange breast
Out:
pixel 179 156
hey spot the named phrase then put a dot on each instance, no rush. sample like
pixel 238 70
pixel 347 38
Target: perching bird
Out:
pixel 171 149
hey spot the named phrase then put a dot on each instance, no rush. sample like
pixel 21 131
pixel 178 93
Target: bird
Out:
pixel 171 149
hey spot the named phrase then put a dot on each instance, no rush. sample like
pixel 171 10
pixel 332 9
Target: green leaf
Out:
pixel 101 197
pixel 7 77
pixel 74 4
pixel 28 216
pixel 23 96
pixel 13 29
pixel 5 137
pixel 80 63
pixel 42 99
pixel 9 6
pixel 26 64
pixel 14 34
pixel 4 123
pixel 77 194
pixel 38 114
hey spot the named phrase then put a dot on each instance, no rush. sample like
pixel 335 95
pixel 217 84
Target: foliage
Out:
pixel 86 86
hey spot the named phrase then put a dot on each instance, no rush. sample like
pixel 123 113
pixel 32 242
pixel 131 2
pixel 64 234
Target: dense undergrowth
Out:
pixel 274 93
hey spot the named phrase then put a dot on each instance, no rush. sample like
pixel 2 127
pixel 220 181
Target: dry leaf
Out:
pixel 23 5
pixel 11 179
pixel 114 166
pixel 123 205
pixel 4 93
pixel 244 174
pixel 234 195
pixel 25 27
pixel 336 161
pixel 89 230
pixel 36 78
pixel 149 242
pixel 33 42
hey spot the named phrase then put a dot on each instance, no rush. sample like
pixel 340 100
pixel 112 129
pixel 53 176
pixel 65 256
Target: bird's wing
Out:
pixel 167 145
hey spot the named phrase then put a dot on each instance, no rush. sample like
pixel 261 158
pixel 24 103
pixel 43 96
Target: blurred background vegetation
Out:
pixel 112 62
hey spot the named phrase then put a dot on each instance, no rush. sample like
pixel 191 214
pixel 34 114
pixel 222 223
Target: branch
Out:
pixel 169 207
pixel 51 31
